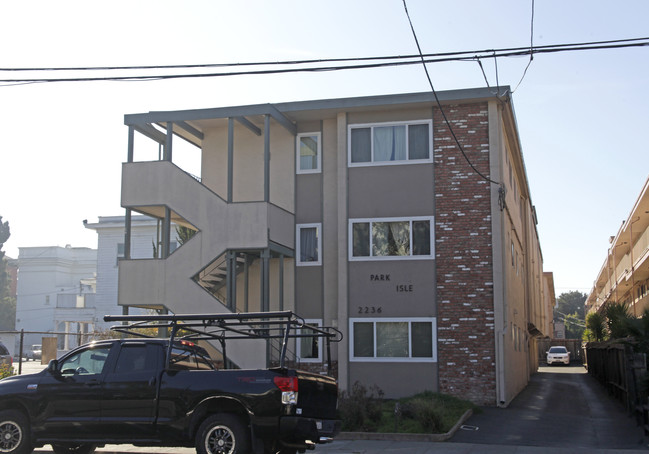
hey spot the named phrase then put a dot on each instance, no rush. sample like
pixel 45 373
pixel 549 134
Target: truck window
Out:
pixel 188 360
pixel 136 358
pixel 86 362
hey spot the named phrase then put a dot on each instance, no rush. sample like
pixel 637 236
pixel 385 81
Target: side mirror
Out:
pixel 53 367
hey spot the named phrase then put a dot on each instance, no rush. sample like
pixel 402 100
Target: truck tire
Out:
pixel 14 433
pixel 81 448
pixel 222 433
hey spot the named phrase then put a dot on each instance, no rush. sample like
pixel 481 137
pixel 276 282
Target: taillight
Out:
pixel 288 386
pixel 286 383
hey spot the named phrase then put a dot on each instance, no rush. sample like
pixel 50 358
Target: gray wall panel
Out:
pixel 398 288
pixel 309 198
pixel 391 191
pixel 308 291
pixel 396 379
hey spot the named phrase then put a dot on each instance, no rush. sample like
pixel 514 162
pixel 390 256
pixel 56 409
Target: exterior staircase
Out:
pixel 193 277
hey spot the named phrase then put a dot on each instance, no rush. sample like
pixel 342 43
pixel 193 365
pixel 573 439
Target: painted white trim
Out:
pixel 350 239
pixel 298 227
pixel 298 346
pixel 318 168
pixel 429 122
pixel 409 359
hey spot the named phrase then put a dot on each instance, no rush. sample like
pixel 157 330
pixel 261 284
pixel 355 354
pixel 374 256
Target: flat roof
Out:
pixel 300 110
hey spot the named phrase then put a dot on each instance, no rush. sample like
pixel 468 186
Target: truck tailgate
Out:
pixel 317 395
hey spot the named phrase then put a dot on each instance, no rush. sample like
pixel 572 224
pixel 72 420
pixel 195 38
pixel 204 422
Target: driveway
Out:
pixel 562 407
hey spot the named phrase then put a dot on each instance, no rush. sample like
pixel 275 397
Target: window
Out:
pixel 308 153
pixel 393 339
pixel 138 358
pixel 309 244
pixel 390 143
pixel 86 362
pixel 391 238
pixel 120 252
pixel 182 359
pixel 309 349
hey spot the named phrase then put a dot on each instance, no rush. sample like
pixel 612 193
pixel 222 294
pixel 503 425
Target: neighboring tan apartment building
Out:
pixel 624 276
pixel 360 213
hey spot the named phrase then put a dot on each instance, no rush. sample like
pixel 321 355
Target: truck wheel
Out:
pixel 81 448
pixel 222 434
pixel 14 433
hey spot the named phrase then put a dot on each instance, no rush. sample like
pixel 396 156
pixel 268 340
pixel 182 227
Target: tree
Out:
pixel 572 303
pixel 574 326
pixel 595 327
pixel 617 320
pixel 184 234
pixel 7 302
pixel 570 310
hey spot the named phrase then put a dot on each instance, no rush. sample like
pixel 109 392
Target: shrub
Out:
pixel 427 412
pixel 361 408
pixel 6 371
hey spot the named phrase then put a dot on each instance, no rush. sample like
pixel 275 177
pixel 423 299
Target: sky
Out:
pixel 582 116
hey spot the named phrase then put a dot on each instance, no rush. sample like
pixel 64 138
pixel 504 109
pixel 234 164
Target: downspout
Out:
pixel 496 147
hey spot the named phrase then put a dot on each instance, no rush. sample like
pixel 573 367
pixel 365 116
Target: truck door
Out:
pixel 130 391
pixel 71 397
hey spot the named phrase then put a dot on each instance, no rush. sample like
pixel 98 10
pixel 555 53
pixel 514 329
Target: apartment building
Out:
pixel 145 244
pixel 360 213
pixel 56 293
pixel 624 275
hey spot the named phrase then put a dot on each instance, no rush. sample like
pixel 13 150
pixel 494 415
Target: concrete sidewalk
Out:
pixel 389 447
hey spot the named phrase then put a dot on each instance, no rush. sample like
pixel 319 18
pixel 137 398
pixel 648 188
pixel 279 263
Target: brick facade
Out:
pixel 466 348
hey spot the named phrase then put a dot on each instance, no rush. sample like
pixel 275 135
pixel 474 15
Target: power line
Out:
pixel 531 50
pixel 466 53
pixel 349 63
pixel 439 104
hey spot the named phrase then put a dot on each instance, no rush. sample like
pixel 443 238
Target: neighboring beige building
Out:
pixel 624 276
pixel 361 213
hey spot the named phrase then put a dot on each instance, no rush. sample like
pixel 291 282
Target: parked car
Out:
pixel 5 357
pixel 559 355
pixel 35 352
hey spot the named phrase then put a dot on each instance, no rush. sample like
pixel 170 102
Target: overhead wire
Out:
pixel 531 50
pixel 289 66
pixel 439 104
pixel 468 53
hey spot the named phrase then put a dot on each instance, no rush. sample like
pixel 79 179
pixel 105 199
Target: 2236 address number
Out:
pixel 370 309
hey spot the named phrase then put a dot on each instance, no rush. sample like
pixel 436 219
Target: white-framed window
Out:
pixel 309 244
pixel 309 349
pixel 393 339
pixel 308 151
pixel 390 143
pixel 391 238
pixel 120 253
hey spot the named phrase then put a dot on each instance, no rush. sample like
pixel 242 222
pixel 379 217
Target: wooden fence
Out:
pixel 622 372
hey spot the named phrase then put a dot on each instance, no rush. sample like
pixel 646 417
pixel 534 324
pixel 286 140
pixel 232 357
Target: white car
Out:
pixel 558 355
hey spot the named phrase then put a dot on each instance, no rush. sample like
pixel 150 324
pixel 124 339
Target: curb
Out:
pixel 404 437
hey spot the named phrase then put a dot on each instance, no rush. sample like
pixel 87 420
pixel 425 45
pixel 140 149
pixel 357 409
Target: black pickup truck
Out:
pixel 154 391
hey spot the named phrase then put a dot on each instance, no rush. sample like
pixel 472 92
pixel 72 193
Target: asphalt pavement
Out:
pixel 563 410
pixel 562 407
